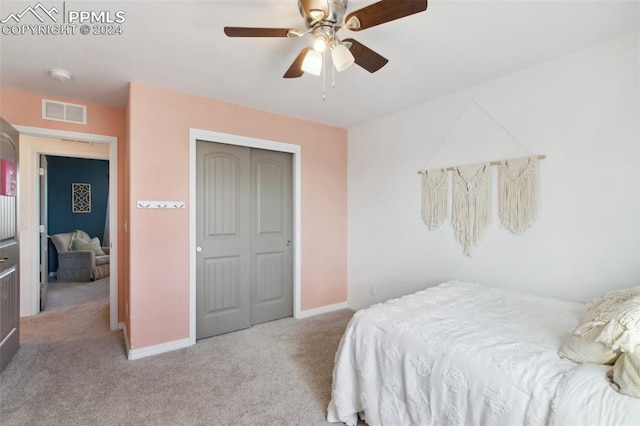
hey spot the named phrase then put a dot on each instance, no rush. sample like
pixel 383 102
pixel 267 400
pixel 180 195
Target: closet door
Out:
pixel 223 239
pixel 271 245
pixel 244 266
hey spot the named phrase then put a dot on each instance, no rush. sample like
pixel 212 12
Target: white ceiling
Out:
pixel 181 45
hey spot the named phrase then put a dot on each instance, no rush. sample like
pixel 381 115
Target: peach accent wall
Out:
pixel 159 121
pixel 25 109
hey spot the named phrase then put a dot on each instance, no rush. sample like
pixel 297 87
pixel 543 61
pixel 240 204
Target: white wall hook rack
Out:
pixel 160 204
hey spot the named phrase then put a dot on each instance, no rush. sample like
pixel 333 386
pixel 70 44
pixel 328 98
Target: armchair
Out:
pixel 79 265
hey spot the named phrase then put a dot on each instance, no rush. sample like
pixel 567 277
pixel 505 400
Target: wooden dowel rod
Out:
pixel 493 163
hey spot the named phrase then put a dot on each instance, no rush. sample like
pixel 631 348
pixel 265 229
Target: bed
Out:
pixel 465 354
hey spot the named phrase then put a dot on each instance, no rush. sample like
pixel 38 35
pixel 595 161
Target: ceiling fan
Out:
pixel 323 19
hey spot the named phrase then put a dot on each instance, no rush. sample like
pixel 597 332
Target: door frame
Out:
pixel 43 189
pixel 230 139
pixel 32 215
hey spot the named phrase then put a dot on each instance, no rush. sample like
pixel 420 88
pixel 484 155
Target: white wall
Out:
pixel 580 110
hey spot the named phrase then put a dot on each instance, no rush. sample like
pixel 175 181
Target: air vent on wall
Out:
pixel 63 111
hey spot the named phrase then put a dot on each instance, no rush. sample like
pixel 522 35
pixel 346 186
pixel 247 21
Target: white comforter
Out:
pixel 464 354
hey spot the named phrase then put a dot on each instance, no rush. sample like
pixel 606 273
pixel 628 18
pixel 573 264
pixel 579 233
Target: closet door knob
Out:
pixel 198 249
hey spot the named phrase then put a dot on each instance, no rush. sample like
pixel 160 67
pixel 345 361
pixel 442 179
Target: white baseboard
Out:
pixel 322 310
pixel 133 354
pixel 157 349
pixel 126 338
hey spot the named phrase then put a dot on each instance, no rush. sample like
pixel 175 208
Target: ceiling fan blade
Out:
pixel 365 57
pixel 258 32
pixel 295 70
pixel 383 11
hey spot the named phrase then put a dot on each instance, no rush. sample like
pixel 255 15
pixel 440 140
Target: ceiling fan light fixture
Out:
pixel 342 57
pixel 322 37
pixel 312 63
pixel 320 43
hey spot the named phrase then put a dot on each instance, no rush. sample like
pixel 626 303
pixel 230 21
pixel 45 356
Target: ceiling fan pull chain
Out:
pixel 333 74
pixel 324 76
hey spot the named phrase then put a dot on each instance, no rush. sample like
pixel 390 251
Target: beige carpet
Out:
pixel 72 370
pixel 63 295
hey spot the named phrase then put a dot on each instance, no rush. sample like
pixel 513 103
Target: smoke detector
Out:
pixel 61 75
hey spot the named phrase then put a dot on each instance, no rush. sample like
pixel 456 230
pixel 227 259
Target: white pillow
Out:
pixel 618 313
pixel 625 374
pixel 94 245
pixel 584 348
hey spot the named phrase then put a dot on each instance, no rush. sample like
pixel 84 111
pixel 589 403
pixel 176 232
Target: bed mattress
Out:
pixel 460 354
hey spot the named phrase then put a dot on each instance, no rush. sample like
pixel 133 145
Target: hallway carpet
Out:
pixel 63 295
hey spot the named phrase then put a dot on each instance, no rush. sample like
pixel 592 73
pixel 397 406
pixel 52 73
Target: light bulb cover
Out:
pixel 319 45
pixel 341 57
pixel 320 41
pixel 312 62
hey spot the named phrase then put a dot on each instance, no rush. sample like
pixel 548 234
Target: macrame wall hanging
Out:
pixel 517 186
pixel 471 204
pixel 435 188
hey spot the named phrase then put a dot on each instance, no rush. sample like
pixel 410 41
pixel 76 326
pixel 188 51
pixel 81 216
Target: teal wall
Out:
pixel 62 172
